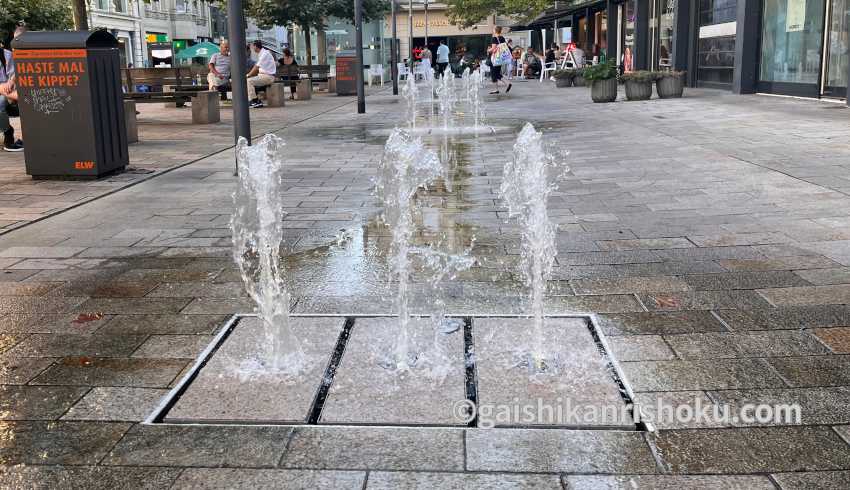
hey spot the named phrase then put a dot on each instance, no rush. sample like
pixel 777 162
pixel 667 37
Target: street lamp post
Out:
pixel 236 37
pixel 426 23
pixel 394 51
pixel 358 45
pixel 410 34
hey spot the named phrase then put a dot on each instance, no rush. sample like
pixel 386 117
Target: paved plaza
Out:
pixel 709 236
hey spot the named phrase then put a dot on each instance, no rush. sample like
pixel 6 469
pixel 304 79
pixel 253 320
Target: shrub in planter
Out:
pixel 638 84
pixel 563 78
pixel 669 84
pixel 603 82
pixel 578 80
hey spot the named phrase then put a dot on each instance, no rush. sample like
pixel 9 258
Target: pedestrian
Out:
pixel 499 57
pixel 262 74
pixel 289 60
pixel 9 96
pixel 509 70
pixel 425 58
pixel 442 58
pixel 219 74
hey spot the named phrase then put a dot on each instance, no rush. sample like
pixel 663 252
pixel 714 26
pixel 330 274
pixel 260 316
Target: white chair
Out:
pixel 403 71
pixel 423 70
pixel 548 68
pixel 375 71
pixel 520 69
pixel 485 68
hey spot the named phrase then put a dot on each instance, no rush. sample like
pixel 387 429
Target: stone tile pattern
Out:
pixel 716 253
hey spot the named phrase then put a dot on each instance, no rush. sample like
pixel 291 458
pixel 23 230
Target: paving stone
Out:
pixel 791 317
pixel 531 450
pixel 173 346
pixel 744 280
pixel 817 406
pixel 645 244
pixel 718 345
pixel 730 239
pixel 708 253
pixel 137 306
pixel 812 371
pixel 659 323
pixel 417 449
pixel 626 285
pixel 640 348
pixel 365 391
pixel 820 480
pixel 837 339
pixel 163 324
pixel 237 478
pixel 381 480
pixel 9 341
pixel 199 290
pixel 679 410
pixel 606 303
pixel 116 404
pixel 42 442
pixel 61 345
pixel 43 304
pixel 94 371
pixel 667 268
pixel 37 402
pixel 752 450
pixel 810 264
pixel 91 477
pixel 808 295
pixel 234 385
pixel 27 288
pixel 668 482
pixel 123 289
pixel 703 300
pixel 20 370
pixel 700 375
pixel 218 306
pixel 41 252
pixel 823 277
pixel 163 445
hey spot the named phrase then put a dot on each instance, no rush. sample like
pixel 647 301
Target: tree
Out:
pixel 309 14
pixel 467 13
pixel 48 15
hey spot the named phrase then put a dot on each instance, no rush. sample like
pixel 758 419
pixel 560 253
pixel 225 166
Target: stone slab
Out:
pixel 668 482
pixel 386 480
pixel 580 377
pixel 820 480
pixel 91 477
pixel 52 442
pixel 250 479
pixel 365 392
pixel 231 388
pixel 116 404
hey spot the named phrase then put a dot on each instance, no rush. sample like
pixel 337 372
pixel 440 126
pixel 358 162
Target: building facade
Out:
pixel 785 47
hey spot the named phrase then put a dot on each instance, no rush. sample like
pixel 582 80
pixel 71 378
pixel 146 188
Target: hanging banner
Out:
pixel 795 19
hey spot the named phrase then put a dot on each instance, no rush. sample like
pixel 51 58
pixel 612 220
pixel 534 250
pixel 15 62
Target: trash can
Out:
pixel 70 98
pixel 346 71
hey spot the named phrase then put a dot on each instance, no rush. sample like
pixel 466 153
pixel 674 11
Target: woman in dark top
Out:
pixel 496 71
pixel 289 60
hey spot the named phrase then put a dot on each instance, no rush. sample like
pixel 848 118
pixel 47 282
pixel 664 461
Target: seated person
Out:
pixel 9 97
pixel 289 60
pixel 262 74
pixel 219 74
pixel 532 63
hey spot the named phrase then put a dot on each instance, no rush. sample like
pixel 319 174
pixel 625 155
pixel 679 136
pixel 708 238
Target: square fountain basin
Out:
pixel 349 382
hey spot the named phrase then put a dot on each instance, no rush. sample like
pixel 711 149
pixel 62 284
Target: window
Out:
pixel 792 34
pixel 119 6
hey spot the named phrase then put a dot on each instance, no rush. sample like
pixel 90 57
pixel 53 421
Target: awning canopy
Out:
pixel 200 50
pixel 548 17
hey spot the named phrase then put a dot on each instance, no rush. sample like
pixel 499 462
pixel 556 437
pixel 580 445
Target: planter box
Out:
pixel 604 90
pixel 563 82
pixel 670 87
pixel 579 82
pixel 638 90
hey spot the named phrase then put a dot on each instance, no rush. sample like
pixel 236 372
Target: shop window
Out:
pixel 792 35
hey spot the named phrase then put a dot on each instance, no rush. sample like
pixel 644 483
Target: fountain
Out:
pixel 526 185
pixel 257 226
pixel 406 167
pixel 446 95
pixel 410 96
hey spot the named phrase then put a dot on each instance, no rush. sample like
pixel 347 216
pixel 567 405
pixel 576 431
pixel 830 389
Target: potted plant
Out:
pixel 669 84
pixel 563 78
pixel 638 84
pixel 603 82
pixel 578 79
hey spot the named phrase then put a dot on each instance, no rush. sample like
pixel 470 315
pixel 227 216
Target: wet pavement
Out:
pixel 709 235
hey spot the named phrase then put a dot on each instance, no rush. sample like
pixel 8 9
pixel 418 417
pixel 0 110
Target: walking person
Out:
pixel 9 96
pixel 499 57
pixel 262 74
pixel 219 75
pixel 289 60
pixel 442 58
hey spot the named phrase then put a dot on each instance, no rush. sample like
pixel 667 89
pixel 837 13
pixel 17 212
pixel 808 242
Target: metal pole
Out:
pixel 358 45
pixel 426 23
pixel 394 52
pixel 410 34
pixel 236 37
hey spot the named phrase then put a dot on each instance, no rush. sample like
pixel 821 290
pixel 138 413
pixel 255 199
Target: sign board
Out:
pixel 795 18
pixel 346 73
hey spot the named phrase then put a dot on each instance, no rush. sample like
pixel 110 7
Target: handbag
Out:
pixel 502 56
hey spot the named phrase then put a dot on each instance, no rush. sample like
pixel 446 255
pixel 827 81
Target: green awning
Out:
pixel 200 50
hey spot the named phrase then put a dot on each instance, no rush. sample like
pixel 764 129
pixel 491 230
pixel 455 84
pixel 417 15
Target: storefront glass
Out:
pixel 716 42
pixel 661 33
pixel 600 34
pixel 837 49
pixel 628 11
pixel 792 35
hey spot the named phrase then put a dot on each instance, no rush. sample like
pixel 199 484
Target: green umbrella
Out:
pixel 200 50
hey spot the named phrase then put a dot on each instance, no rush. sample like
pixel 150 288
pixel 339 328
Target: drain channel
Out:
pixel 469 364
pixel 330 372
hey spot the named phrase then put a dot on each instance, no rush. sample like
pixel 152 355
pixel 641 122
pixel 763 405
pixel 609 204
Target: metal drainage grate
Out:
pixel 353 390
